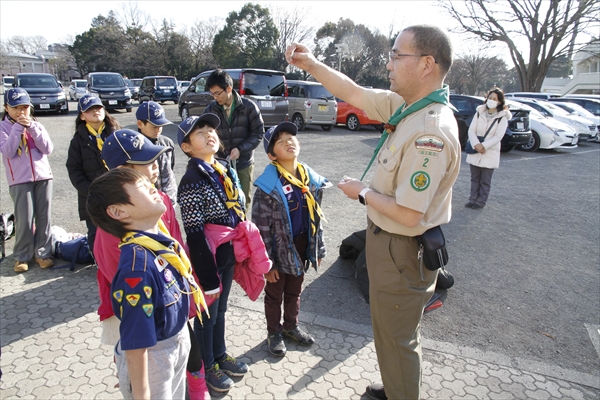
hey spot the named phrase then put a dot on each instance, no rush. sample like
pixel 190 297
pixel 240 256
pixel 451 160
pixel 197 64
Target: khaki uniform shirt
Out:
pixel 418 163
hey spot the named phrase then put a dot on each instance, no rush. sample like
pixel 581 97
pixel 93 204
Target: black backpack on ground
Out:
pixel 7 229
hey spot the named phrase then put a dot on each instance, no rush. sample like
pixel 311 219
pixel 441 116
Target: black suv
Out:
pixel 159 88
pixel 46 93
pixel 267 88
pixel 111 89
pixel 517 132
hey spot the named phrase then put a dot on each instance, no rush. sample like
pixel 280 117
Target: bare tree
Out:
pixel 26 44
pixel 293 27
pixel 541 30
pixel 201 38
pixel 132 17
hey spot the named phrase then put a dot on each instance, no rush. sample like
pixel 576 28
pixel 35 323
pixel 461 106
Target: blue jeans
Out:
pixel 211 334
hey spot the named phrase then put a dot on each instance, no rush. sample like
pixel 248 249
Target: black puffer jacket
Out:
pixel 245 131
pixel 84 164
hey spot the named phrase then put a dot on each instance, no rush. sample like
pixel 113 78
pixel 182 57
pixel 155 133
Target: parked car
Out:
pixel 546 132
pixel 590 104
pixel 574 108
pixel 354 117
pixel 159 88
pixel 77 89
pixel 267 88
pixel 532 95
pixel 110 87
pixel 517 132
pixel 8 81
pixel 182 86
pixel 586 129
pixel 311 104
pixel 135 90
pixel 46 93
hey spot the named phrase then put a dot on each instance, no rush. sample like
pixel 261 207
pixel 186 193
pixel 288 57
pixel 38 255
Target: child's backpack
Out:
pixel 75 251
pixel 7 229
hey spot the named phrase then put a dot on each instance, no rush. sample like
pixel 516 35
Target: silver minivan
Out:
pixel 311 103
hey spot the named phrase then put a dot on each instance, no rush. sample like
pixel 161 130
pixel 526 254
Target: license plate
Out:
pixel 575 140
pixel 266 103
pixel 45 106
pixel 520 125
pixel 166 91
pixel 322 107
pixel 112 102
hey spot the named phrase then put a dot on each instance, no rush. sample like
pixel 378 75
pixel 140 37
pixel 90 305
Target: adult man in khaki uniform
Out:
pixel 410 192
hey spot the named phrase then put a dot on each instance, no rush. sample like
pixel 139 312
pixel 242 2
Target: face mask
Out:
pixel 491 103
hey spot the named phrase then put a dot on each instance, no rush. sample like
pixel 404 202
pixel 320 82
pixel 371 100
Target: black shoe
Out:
pixel 299 336
pixel 476 207
pixel 376 392
pixel 276 345
pixel 469 205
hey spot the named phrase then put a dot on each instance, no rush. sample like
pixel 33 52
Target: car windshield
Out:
pixel 575 108
pixel 166 82
pixel 318 92
pixel 520 106
pixel 8 81
pixel 80 83
pixel 107 81
pixel 263 84
pixel 38 82
pixel 137 82
pixel 128 82
pixel 555 109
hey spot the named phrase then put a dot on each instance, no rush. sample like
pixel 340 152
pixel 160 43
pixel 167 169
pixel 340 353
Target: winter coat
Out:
pixel 84 164
pixel 479 126
pixel 166 162
pixel 271 215
pixel 244 132
pixel 31 166
pixel 252 261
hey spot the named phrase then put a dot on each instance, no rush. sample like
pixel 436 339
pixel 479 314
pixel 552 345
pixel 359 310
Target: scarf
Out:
pixel 439 96
pixel 303 183
pixel 176 257
pixel 26 139
pixel 230 190
pixel 98 136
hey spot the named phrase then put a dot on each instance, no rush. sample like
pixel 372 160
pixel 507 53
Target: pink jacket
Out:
pixel 252 259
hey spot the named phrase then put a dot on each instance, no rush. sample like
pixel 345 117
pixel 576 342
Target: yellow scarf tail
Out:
pixel 230 190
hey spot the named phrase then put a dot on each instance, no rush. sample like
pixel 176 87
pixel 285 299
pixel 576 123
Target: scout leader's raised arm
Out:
pixel 337 83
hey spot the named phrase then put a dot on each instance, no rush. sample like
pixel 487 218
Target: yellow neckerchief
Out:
pixel 303 183
pixel 99 140
pixel 23 144
pixel 230 190
pixel 176 257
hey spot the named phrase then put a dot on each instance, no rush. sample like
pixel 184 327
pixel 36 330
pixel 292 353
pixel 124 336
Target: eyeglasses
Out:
pixel 217 94
pixel 394 56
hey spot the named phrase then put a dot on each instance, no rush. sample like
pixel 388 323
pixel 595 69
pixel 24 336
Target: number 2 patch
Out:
pixel 420 181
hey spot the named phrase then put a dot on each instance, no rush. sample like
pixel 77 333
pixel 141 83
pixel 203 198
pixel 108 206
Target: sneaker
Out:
pixel 299 336
pixel 21 266
pixel 276 345
pixel 232 367
pixel 376 392
pixel 45 262
pixel 476 207
pixel 196 383
pixel 469 205
pixel 217 380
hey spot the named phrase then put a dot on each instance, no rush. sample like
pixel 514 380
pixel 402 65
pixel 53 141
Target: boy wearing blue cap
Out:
pixel 209 193
pixel 25 146
pixel 150 121
pixel 286 209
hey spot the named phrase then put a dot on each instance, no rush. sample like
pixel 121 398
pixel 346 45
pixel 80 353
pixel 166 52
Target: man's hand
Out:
pixel 234 154
pixel 351 187
pixel 300 56
pixel 272 276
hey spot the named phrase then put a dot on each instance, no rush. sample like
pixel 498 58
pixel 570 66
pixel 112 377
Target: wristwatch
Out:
pixel 361 196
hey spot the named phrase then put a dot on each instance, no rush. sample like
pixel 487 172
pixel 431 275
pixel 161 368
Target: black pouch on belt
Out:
pixel 433 248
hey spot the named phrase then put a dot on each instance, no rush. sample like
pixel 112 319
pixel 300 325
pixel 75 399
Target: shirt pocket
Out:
pixel 388 161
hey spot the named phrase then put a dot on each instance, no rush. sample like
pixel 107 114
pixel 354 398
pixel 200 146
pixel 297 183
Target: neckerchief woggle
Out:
pixel 438 96
pixel 303 183
pixel 176 257
pixel 231 191
pixel 98 136
pixel 26 139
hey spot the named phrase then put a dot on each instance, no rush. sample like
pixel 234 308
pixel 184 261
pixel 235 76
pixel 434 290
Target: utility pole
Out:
pixel 341 49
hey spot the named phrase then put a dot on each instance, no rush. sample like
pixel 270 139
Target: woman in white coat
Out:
pixel 494 113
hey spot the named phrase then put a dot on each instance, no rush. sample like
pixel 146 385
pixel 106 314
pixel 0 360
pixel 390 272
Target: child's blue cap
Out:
pixel 188 125
pixel 283 126
pixel 152 112
pixel 17 96
pixel 130 147
pixel 88 101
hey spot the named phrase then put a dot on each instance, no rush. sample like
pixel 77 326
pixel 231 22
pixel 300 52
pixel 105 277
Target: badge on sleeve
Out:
pixel 133 299
pixel 429 145
pixel 148 308
pixel 287 189
pixel 420 181
pixel 118 295
pixel 148 291
pixel 161 263
pixel 132 282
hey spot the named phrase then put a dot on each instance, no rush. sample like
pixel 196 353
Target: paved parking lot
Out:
pixel 519 322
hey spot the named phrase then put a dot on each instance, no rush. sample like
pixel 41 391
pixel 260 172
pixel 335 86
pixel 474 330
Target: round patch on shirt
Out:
pixel 420 181
pixel 168 275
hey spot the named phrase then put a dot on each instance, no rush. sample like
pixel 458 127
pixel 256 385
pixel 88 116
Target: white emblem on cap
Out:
pixel 17 95
pixel 87 100
pixel 189 120
pixel 157 113
pixel 137 143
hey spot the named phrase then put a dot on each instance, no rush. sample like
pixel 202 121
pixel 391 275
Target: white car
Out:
pixel 182 86
pixel 77 89
pixel 7 82
pixel 546 132
pixel 585 128
pixel 576 109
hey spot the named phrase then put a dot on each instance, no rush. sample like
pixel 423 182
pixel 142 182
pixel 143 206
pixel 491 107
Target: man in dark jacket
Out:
pixel 242 127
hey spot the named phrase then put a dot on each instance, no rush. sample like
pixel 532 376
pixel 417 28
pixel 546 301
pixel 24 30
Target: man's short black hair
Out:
pixel 109 189
pixel 219 78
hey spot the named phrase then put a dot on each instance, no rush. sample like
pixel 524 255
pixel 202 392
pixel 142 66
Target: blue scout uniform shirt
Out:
pixel 149 296
pixel 297 206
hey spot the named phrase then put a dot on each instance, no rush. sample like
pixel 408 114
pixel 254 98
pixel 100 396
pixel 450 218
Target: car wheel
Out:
pixel 533 144
pixel 327 127
pixel 175 101
pixel 66 110
pixel 298 121
pixel 463 134
pixel 129 109
pixel 378 127
pixel 184 113
pixel 352 122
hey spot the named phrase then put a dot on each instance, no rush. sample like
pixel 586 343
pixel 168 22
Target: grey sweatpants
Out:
pixel 33 205
pixel 167 360
pixel 481 183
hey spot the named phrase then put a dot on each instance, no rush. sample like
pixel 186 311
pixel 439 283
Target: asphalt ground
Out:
pixel 526 266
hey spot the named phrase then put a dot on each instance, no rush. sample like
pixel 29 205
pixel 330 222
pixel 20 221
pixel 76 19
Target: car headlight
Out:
pixel 61 96
pixel 554 130
pixel 94 92
pixel 127 92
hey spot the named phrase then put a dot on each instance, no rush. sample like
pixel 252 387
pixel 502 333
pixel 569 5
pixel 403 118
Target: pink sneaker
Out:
pixel 197 389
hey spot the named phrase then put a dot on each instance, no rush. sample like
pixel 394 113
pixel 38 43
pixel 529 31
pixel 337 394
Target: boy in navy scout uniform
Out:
pixel 150 291
pixel 287 213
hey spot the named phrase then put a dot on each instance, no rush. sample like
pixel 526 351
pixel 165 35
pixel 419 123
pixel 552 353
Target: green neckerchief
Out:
pixel 438 96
